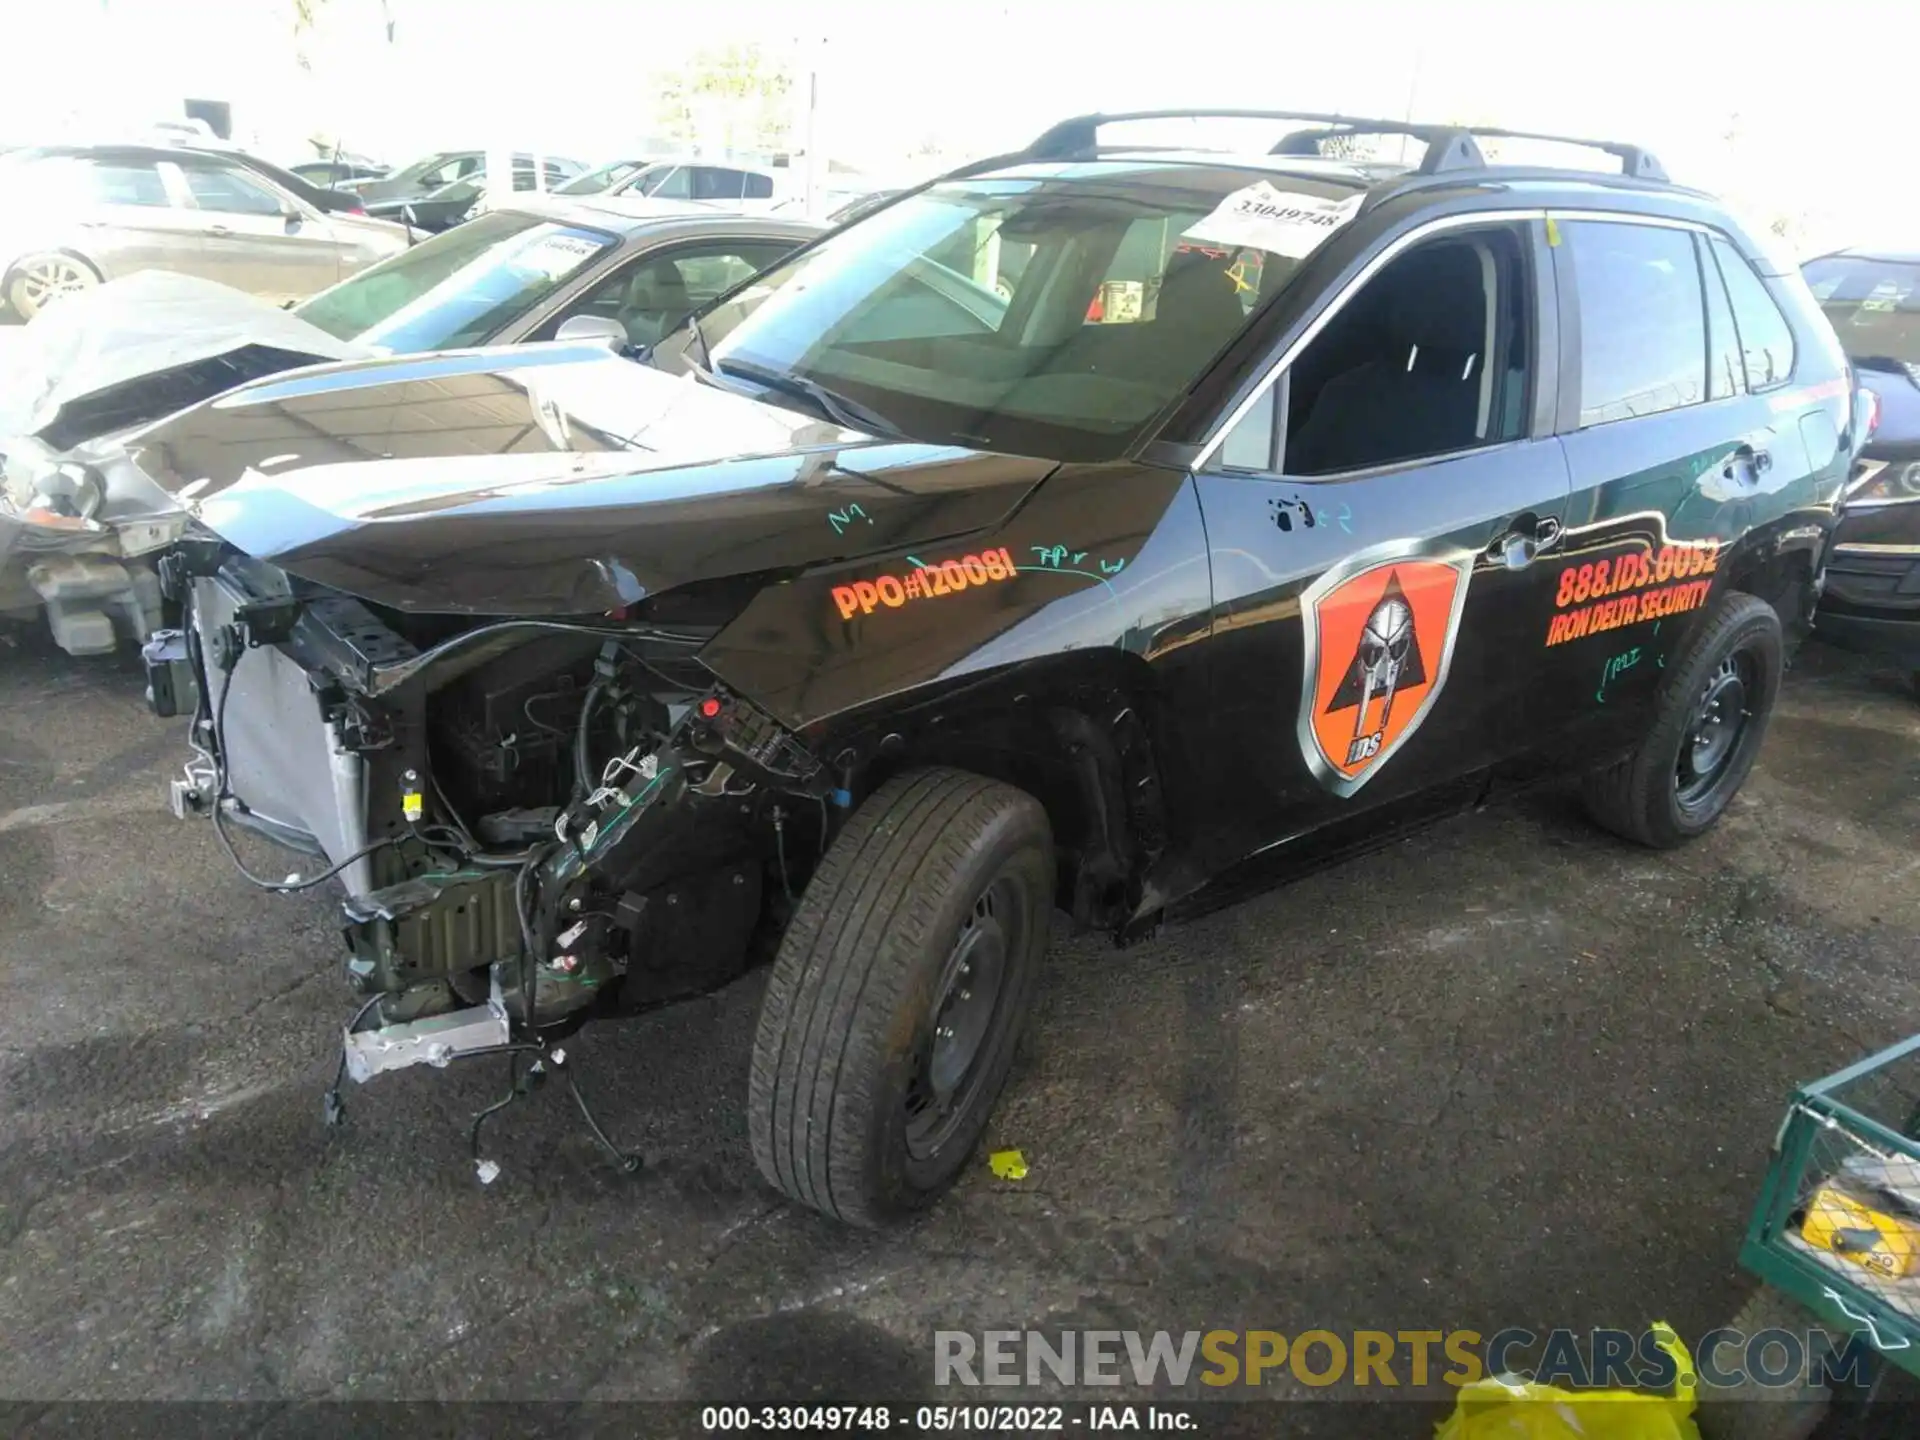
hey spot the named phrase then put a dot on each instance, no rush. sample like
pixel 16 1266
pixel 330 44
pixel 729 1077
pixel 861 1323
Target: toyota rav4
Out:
pixel 1096 528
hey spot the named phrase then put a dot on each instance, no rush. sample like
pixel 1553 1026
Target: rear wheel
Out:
pixel 1712 716
pixel 899 994
pixel 42 280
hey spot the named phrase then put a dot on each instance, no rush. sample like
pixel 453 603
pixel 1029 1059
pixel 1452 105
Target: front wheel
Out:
pixel 41 280
pixel 1711 718
pixel 899 994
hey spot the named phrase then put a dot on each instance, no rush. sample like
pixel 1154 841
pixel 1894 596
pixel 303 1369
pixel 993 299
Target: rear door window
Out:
pixel 713 182
pixel 229 192
pixel 666 182
pixel 1766 340
pixel 1643 333
pixel 126 182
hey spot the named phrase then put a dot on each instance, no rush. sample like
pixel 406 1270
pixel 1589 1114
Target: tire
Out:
pixel 1752 1411
pixel 39 280
pixel 937 869
pixel 1648 797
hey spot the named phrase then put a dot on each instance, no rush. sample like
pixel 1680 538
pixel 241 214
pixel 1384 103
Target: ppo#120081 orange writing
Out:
pixel 923 582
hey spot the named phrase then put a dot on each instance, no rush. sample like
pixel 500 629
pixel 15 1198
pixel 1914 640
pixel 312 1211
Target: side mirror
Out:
pixel 603 328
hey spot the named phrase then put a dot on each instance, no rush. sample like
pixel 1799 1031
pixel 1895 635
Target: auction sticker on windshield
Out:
pixel 1274 220
pixel 558 256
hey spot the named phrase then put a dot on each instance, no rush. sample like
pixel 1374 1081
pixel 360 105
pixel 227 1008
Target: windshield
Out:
pixel 1874 305
pixel 1052 317
pixel 605 178
pixel 459 288
pixel 423 168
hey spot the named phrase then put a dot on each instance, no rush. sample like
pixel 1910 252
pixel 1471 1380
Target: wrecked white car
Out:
pixel 77 522
pixel 78 525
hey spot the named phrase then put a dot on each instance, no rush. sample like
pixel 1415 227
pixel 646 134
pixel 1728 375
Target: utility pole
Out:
pixel 813 133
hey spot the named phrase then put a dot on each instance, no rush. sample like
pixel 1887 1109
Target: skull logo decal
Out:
pixel 1379 637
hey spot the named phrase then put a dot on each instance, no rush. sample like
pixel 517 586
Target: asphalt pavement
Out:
pixel 1508 1072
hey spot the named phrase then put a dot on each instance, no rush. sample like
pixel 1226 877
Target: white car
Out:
pixel 729 184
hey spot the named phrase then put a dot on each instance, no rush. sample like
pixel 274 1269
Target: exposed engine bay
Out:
pixel 535 822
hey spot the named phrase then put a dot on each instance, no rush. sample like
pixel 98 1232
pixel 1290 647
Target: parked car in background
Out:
pixel 860 205
pixel 76 522
pixel 1872 597
pixel 73 216
pixel 321 197
pixel 420 178
pixel 339 170
pixel 454 202
pixel 603 178
pixel 736 185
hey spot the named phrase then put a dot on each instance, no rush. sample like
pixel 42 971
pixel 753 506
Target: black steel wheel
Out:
pixel 898 996
pixel 1720 718
pixel 1707 729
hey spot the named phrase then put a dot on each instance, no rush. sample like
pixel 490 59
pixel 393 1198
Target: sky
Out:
pixel 1793 111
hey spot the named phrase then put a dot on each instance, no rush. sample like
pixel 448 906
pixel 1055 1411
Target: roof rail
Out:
pixel 1449 147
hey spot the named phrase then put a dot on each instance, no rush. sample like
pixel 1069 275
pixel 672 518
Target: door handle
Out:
pixel 1525 540
pixel 218 230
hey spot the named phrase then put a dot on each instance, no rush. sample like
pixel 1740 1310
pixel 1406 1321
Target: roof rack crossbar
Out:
pixel 1634 161
pixel 1456 147
pixel 1079 135
pixel 1449 147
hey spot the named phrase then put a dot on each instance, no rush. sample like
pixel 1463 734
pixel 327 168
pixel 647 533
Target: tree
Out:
pixel 305 12
pixel 737 89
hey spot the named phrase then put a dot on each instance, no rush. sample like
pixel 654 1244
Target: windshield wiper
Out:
pixel 838 408
pixel 693 329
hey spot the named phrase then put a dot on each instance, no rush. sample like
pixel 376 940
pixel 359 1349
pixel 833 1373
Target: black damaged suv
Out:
pixel 1082 529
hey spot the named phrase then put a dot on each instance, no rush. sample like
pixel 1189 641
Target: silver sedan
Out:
pixel 72 216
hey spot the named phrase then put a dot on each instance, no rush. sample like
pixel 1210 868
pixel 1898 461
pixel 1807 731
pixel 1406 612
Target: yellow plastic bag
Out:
pixel 1495 1409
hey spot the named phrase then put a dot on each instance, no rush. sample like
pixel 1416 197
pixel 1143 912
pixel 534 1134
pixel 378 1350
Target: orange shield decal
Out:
pixel 1379 628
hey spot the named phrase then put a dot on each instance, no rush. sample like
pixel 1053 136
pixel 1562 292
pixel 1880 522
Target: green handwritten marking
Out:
pixel 1614 669
pixel 840 519
pixel 1061 570
pixel 916 562
pixel 1067 562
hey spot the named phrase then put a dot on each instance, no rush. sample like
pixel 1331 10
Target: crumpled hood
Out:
pixel 137 349
pixel 551 480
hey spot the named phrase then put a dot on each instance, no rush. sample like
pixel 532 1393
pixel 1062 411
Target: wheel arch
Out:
pixel 1780 564
pixel 1090 736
